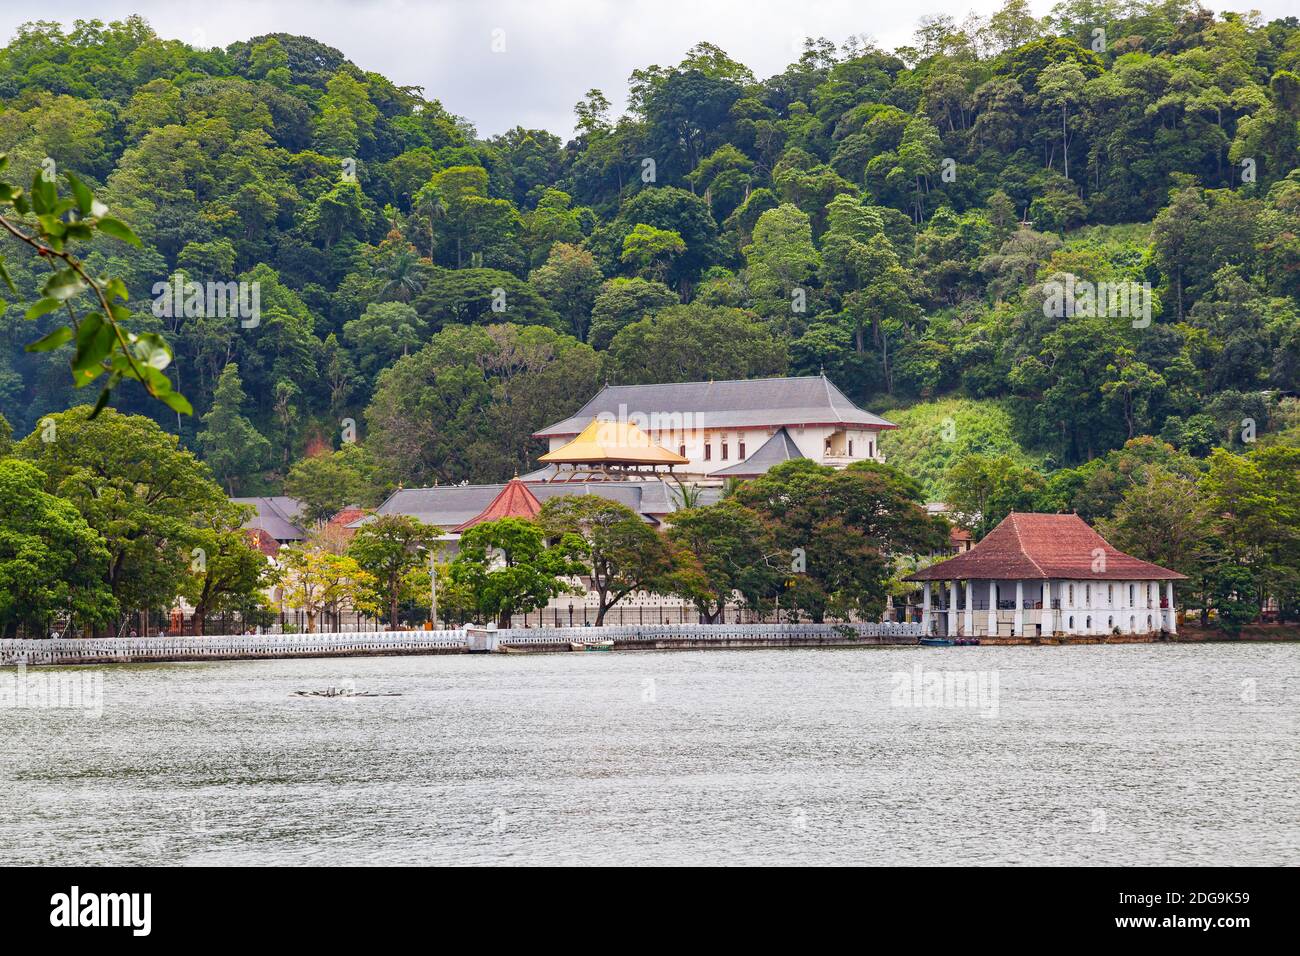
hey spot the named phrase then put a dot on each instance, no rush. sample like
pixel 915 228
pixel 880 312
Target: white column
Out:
pixel 925 611
pixel 1173 612
pixel 1019 628
pixel 970 608
pixel 952 608
pixel 993 607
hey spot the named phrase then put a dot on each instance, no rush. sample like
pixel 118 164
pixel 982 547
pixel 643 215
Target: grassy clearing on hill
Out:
pixel 931 436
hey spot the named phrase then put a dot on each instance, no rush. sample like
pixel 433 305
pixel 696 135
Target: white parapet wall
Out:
pixel 721 633
pixel 250 647
pixel 111 649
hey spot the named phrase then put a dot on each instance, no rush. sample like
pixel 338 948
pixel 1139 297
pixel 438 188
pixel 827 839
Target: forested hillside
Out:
pixel 887 217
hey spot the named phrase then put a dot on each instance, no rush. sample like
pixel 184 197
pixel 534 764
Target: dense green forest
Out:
pixel 888 217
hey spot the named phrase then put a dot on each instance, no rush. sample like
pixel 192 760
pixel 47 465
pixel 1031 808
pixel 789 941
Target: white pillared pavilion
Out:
pixel 1044 574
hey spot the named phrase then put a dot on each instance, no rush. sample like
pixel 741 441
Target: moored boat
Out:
pixel 938 641
pixel 591 646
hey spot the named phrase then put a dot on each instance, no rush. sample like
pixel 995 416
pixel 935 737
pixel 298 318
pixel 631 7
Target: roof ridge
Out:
pixel 718 381
pixel 1015 525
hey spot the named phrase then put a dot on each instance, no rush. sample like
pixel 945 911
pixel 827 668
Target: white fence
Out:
pixel 722 633
pixel 197 648
pixel 414 642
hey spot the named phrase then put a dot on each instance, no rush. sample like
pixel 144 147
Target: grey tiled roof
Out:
pixel 807 400
pixel 277 515
pixel 448 506
pixel 780 447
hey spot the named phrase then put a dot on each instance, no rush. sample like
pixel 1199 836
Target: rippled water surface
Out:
pixel 1141 754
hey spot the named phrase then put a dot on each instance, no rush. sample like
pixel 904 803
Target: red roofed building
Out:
pixel 512 501
pixel 1047 574
pixel 347 516
pixel 261 540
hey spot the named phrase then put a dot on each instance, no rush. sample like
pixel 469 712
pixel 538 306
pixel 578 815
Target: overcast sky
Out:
pixel 555 50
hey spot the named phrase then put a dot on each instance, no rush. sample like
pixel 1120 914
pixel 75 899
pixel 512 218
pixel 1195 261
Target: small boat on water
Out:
pixel 968 642
pixel 938 641
pixel 591 646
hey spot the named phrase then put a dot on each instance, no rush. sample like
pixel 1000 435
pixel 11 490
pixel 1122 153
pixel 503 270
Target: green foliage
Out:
pixel 505 568
pixel 889 218
pixel 932 436
pixel 465 406
pixel 135 486
pixel 383 333
pixel 620 552
pixel 51 561
pixel 835 531
pixel 226 574
pixel 389 547
pixel 316 580
pixel 622 301
pixel 231 445
pixel 328 482
pixel 734 553
pixel 691 343
pixel 863 205
pixel 49 225
pixel 981 490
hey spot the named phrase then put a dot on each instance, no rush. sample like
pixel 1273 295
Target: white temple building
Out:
pixel 1045 574
pixel 717 426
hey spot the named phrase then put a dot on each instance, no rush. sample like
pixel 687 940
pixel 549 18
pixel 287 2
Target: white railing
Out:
pixel 262 645
pixel 703 632
pixel 63 651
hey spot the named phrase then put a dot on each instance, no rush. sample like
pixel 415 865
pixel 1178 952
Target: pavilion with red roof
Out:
pixel 1047 574
pixel 512 501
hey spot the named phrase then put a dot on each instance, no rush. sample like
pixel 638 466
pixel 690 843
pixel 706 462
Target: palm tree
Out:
pixel 685 496
pixel 402 278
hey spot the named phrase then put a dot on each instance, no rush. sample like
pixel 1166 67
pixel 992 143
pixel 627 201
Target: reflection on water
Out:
pixel 1142 754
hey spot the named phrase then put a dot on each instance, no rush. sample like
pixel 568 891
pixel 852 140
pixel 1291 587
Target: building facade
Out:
pixel 719 425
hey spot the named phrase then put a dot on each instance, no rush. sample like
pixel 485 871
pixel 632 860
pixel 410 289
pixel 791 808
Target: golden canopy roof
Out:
pixel 614 443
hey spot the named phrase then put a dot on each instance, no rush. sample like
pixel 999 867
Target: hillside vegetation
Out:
pixel 895 218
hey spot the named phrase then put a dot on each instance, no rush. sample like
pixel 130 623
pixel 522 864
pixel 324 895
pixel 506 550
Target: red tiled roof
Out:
pixel 348 515
pixel 512 501
pixel 261 540
pixel 1041 547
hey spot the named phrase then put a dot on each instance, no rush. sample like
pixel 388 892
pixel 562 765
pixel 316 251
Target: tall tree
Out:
pixel 51 561
pixel 226 572
pixel 232 447
pixel 388 547
pixel 507 568
pixel 316 581
pixel 622 553
pixel 137 487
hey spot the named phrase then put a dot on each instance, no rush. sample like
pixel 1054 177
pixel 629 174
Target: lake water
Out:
pixel 1137 754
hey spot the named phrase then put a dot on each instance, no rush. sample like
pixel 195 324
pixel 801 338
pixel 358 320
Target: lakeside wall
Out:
pixel 382 643
pixel 538 640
